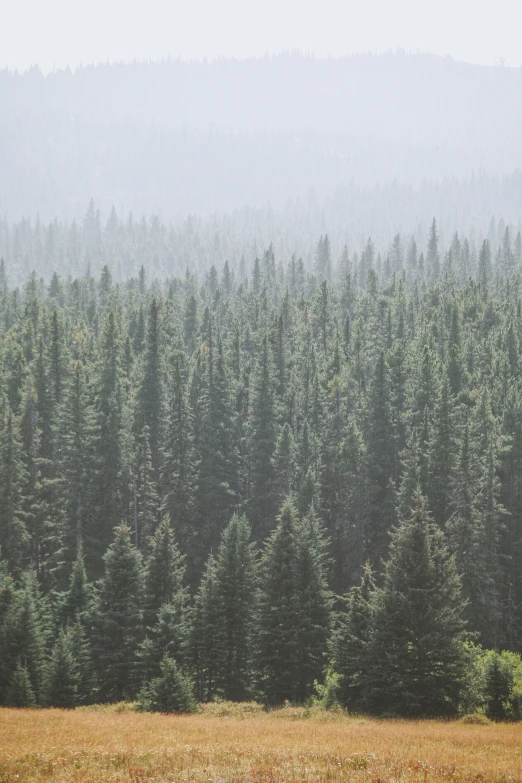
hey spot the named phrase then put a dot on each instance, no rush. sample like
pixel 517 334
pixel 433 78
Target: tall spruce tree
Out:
pixel 416 657
pixel 118 618
pixel 14 538
pixel 262 508
pixel 294 619
pixel 350 644
pixel 236 588
pixel 379 464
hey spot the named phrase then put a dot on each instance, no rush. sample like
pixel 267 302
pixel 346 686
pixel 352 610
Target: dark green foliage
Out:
pixel 164 570
pixel 77 601
pixel 24 633
pixel 350 644
pixel 170 692
pixel 499 683
pixel 278 644
pixel 118 618
pixel 503 681
pixel 206 634
pixel 13 534
pixel 263 497
pixel 20 692
pixel 379 458
pixel 294 620
pixel 416 656
pixel 61 680
pixel 140 421
pixel 232 611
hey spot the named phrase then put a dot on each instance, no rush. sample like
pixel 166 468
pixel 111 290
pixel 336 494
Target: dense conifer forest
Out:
pixel 265 479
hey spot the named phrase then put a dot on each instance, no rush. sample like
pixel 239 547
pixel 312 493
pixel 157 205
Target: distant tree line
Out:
pixel 247 480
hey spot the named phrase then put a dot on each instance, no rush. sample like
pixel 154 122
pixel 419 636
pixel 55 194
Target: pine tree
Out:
pixel 20 692
pixel 190 326
pixel 262 445
pixel 314 602
pixel 178 467
pixel 61 681
pixel 379 464
pixel 107 499
pixel 466 538
pixel 170 692
pixel 23 637
pixel 81 652
pixel 441 456
pixel 164 570
pixel 118 618
pixel 284 461
pixel 146 504
pixel 278 620
pixel 350 644
pixel 294 620
pixel 236 589
pixel 77 601
pixel 417 659
pixel 76 439
pixel 206 642
pixel 217 464
pixel 432 256
pixel 150 394
pixel 13 534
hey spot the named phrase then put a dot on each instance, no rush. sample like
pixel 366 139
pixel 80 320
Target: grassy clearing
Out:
pixel 231 744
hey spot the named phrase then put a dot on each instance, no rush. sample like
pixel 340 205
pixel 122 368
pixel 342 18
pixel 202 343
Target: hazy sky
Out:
pixel 67 32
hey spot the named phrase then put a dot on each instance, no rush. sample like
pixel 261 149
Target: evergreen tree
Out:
pixel 278 620
pixel 379 464
pixel 150 395
pixel 314 602
pixel 164 570
pixel 146 502
pixel 77 601
pixel 236 588
pixel 13 533
pixel 350 644
pixel 417 659
pixel 108 501
pixel 206 640
pixel 441 456
pixel 118 617
pixel 170 692
pixel 78 463
pixel 20 692
pixel 23 638
pixel 262 445
pixel 178 467
pixel 61 681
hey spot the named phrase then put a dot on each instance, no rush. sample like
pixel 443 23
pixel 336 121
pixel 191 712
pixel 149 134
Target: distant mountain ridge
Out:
pixel 176 137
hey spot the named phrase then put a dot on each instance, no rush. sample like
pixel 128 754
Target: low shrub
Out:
pixel 476 719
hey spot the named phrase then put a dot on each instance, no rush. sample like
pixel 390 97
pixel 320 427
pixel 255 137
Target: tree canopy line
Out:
pixel 226 485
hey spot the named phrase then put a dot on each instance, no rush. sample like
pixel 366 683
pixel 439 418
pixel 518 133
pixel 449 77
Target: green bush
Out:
pixel 493 684
pixel 172 691
pixel 503 685
pixel 327 693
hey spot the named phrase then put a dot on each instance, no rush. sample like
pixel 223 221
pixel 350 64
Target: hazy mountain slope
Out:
pixel 198 137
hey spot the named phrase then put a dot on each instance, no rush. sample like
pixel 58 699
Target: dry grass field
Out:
pixel 236 745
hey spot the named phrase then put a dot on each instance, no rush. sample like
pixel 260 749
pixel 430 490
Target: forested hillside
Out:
pixel 176 137
pixel 204 464
pixel 483 206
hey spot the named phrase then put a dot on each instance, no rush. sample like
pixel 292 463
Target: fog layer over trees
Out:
pixel 175 137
